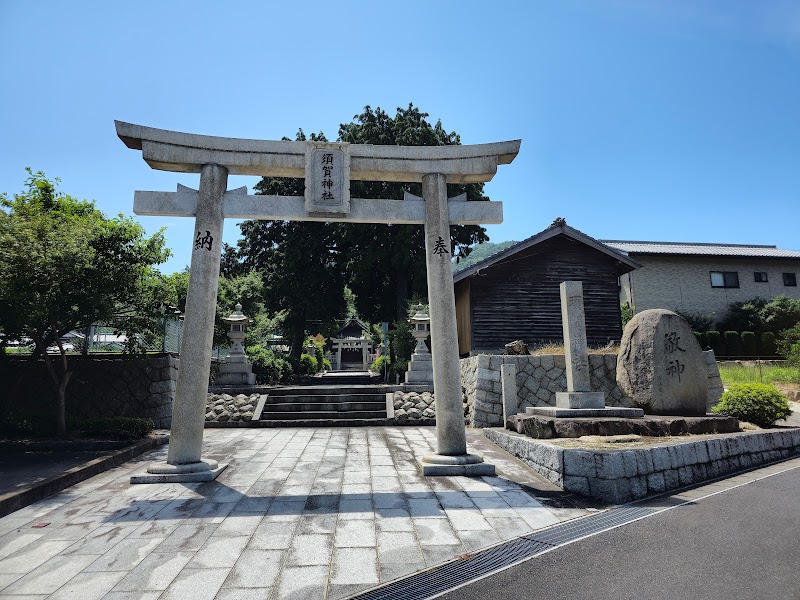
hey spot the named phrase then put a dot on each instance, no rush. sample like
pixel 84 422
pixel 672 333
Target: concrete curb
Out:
pixel 19 499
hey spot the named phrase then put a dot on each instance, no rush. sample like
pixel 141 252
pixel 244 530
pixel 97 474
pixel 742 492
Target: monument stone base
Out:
pixel 580 400
pixel 608 411
pixel 469 465
pixel 203 470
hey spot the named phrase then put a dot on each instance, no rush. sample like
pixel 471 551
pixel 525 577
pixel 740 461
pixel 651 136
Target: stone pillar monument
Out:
pixel 579 400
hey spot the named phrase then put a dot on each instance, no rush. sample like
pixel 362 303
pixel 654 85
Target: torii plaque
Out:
pixel 328 169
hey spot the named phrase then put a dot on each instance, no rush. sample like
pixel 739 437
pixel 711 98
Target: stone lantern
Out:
pixel 235 369
pixel 420 368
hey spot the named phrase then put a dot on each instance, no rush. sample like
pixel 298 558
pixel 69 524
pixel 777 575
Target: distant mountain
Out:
pixel 481 252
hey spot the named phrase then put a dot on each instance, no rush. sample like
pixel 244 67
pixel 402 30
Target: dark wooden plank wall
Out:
pixel 462 317
pixel 519 297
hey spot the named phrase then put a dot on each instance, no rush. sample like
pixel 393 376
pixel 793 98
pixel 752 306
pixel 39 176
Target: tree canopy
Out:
pixel 64 265
pixel 306 265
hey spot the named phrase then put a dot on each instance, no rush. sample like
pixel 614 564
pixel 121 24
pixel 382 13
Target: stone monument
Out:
pixel 579 400
pixel 328 170
pixel 235 369
pixel 661 366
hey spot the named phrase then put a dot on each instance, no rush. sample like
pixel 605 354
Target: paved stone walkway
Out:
pixel 299 513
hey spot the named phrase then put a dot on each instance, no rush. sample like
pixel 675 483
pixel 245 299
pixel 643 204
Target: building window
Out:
pixel 789 280
pixel 760 276
pixel 727 279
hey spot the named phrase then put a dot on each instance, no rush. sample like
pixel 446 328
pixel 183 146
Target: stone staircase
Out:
pixel 324 406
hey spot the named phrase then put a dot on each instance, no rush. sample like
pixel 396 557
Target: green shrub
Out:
pixel 701 339
pixel 379 363
pixel 119 428
pixel 697 321
pixel 788 338
pixel 793 356
pixel 398 367
pixel 758 403
pixel 308 364
pixel 768 344
pixel 714 341
pixel 326 364
pixel 626 313
pixel 732 343
pixel 749 345
pixel 269 367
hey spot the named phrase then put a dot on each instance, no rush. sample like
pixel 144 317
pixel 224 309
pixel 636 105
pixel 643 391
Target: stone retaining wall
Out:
pixel 101 386
pixel 539 377
pixel 623 475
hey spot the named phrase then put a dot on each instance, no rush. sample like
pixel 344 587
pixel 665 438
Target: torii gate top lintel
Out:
pixel 181 152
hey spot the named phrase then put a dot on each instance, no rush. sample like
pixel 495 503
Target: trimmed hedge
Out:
pixel 118 428
pixel 749 344
pixel 732 343
pixel 757 403
pixel 714 341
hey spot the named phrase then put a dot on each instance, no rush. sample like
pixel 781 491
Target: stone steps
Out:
pixel 324 406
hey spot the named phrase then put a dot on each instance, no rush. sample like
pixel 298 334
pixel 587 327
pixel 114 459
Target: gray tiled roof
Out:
pixel 700 249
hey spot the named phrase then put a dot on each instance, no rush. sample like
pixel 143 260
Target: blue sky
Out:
pixel 645 120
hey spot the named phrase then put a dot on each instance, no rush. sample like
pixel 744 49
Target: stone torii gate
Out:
pixel 328 169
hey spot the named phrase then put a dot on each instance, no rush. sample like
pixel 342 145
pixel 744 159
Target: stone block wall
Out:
pixel 101 386
pixel 539 378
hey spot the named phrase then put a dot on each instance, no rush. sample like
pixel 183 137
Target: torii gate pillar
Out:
pixel 451 438
pixel 328 169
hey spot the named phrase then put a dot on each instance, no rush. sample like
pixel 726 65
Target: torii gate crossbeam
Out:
pixel 328 169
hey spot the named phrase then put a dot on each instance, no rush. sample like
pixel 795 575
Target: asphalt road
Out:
pixel 743 543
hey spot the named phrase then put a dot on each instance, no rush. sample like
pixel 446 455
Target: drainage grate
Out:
pixel 573 530
pixel 473 566
pixel 447 576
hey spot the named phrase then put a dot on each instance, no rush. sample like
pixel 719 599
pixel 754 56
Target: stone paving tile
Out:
pixel 13 544
pixel 155 572
pixel 322 513
pixel 230 593
pixel 303 583
pixel 310 549
pixel 187 537
pixel 32 556
pixel 354 566
pixel 88 586
pixel 218 552
pixel 255 569
pixel 464 519
pixel 59 570
pixel 355 533
pixel 439 554
pixel 435 532
pixel 196 584
pixel 7 579
pixel 125 555
pixel 132 596
pixel 393 519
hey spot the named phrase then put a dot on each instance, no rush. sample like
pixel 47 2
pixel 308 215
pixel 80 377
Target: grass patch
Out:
pixel 559 349
pixel 735 374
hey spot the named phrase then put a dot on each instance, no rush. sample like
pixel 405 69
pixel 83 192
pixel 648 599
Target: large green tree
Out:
pixel 298 261
pixel 63 266
pixel 383 265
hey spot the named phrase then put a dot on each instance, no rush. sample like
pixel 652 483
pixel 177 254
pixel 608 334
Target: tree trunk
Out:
pixel 401 277
pixel 298 334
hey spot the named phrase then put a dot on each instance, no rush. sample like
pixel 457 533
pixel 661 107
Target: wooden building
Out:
pixel 514 294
